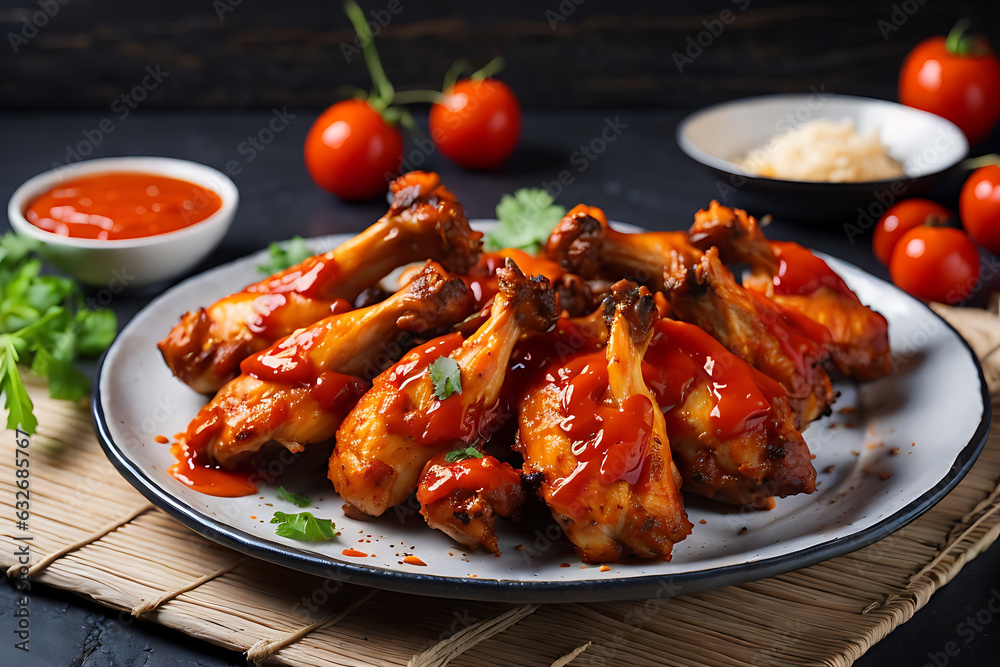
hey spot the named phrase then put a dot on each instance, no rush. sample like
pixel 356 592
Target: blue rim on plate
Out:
pixel 637 587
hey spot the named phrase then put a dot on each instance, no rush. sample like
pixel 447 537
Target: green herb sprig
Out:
pixel 526 220
pixel 45 325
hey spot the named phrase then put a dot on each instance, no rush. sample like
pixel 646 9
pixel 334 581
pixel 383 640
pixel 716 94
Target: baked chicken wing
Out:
pixel 732 432
pixel 593 430
pixel 463 498
pixel 782 344
pixel 424 222
pixel 583 243
pixel 298 390
pixel 800 281
pixel 439 396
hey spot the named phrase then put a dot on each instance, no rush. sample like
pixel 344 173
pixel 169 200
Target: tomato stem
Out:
pixel 454 72
pixel 974 163
pixel 488 70
pixel 383 87
pixel 960 43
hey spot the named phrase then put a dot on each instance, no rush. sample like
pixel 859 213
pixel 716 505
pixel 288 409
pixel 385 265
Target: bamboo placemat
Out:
pixel 93 534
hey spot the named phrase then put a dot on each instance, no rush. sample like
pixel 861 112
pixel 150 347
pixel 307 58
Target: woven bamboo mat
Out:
pixel 95 535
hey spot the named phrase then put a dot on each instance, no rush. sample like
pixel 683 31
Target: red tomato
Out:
pixel 965 89
pixel 477 124
pixel 901 218
pixel 352 152
pixel 936 264
pixel 979 205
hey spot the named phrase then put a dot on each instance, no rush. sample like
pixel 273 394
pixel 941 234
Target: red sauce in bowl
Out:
pixel 121 205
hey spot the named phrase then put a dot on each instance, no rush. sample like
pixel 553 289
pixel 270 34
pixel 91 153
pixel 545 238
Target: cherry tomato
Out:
pixel 957 78
pixel 477 124
pixel 352 152
pixel 979 205
pixel 901 218
pixel 936 264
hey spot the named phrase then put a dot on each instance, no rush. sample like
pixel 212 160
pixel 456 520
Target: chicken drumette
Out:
pixel 440 396
pixel 784 345
pixel 798 280
pixel 593 430
pixel 298 391
pixel 424 222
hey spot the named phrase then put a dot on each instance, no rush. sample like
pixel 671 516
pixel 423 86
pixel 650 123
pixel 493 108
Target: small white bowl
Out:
pixel 129 263
pixel 929 147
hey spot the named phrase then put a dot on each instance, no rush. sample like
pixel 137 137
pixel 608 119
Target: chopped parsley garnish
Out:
pixel 302 526
pixel 526 220
pixel 294 252
pixel 297 499
pixel 45 325
pixel 457 455
pixel 446 376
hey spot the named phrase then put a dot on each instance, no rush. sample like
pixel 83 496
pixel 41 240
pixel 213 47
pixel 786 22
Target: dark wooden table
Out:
pixel 641 177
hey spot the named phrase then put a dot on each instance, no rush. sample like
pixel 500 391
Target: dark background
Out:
pixel 229 69
pixel 240 54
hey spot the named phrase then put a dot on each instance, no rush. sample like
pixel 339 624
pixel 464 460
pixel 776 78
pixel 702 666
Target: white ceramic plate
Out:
pixel 932 411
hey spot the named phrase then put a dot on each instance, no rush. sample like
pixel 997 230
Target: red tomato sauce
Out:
pixel 193 470
pixel 121 205
pixel 610 443
pixel 801 273
pixel 682 357
pixel 443 420
pixel 485 474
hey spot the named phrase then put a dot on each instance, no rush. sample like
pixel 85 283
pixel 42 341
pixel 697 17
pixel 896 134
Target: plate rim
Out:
pixel 516 591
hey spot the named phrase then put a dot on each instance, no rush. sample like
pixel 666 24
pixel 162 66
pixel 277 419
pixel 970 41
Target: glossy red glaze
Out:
pixel 485 474
pixel 121 205
pixel 682 356
pixel 801 272
pixel 192 470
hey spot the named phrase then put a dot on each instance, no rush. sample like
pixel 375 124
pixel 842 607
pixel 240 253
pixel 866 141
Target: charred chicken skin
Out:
pixel 800 281
pixel 780 343
pixel 298 390
pixel 424 222
pixel 408 417
pixel 592 428
pixel 583 243
pixel 463 498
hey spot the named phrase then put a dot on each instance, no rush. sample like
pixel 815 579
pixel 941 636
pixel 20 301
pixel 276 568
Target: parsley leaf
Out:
pixel 457 455
pixel 295 252
pixel 526 220
pixel 45 326
pixel 446 376
pixel 298 499
pixel 302 526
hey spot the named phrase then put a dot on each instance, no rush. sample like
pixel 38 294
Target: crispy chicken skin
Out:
pixel 401 424
pixel 591 427
pixel 298 391
pixel 583 243
pixel 859 337
pixel 478 490
pixel 732 431
pixel 756 330
pixel 423 222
